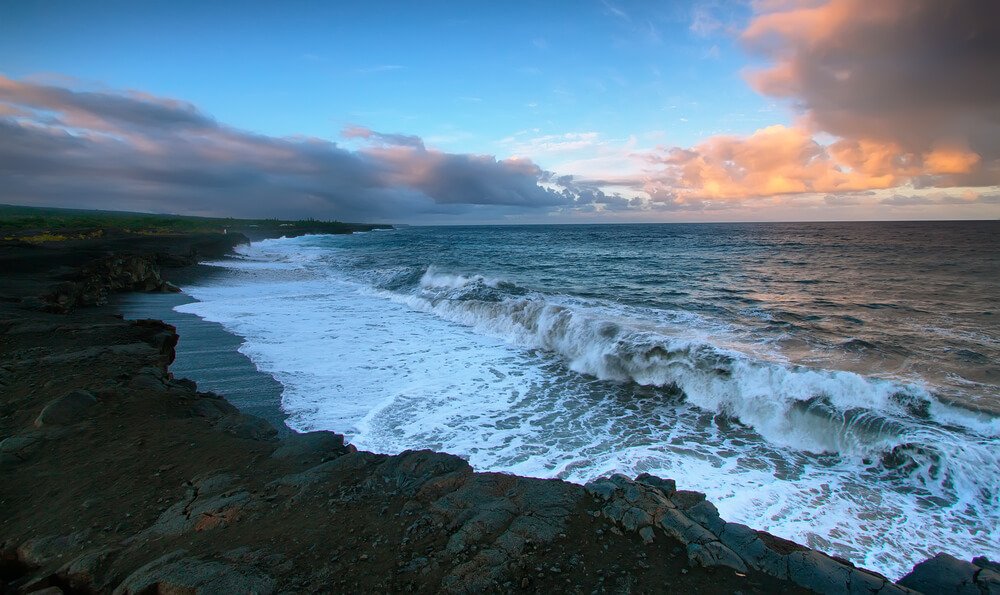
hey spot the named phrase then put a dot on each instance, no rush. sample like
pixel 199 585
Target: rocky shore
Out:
pixel 120 478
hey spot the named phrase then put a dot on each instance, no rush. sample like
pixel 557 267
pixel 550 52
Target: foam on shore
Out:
pixel 875 470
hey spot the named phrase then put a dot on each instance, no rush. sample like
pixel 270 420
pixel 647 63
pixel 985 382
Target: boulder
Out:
pixel 945 574
pixel 82 574
pixel 707 515
pixel 683 529
pixel 311 447
pixel 66 410
pixel 753 550
pixel 177 572
pixel 213 407
pixel 18 448
pixel 714 554
pixel 149 378
pixel 41 550
pixel 248 427
pixel 667 486
pixel 988 581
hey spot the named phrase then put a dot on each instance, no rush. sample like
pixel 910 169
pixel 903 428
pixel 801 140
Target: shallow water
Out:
pixel 835 384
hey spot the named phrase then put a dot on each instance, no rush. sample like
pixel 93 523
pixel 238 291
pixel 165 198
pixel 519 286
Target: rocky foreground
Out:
pixel 117 477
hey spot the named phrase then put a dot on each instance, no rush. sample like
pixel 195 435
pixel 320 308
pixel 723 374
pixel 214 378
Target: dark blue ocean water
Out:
pixel 837 384
pixel 912 301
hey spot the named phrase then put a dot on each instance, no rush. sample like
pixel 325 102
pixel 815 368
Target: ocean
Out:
pixel 836 384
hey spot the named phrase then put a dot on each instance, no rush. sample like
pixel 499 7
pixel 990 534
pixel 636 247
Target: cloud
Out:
pixel 776 160
pixel 451 178
pixel 549 144
pixel 714 17
pixel 965 197
pixel 616 11
pixel 904 89
pixel 900 200
pixel 703 22
pixel 590 192
pixel 912 76
pixel 102 111
pixel 892 100
pixel 361 132
pixel 134 151
pixel 841 200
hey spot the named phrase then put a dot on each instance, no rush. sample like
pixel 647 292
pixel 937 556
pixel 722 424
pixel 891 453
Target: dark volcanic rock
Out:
pixel 644 507
pixel 667 486
pixel 312 447
pixel 947 574
pixel 66 410
pixel 984 562
pixel 41 550
pixel 178 573
pixel 19 448
pixel 98 280
pixel 161 336
pixel 82 573
pixel 248 427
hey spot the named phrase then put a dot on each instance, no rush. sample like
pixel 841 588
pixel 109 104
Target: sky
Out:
pixel 505 112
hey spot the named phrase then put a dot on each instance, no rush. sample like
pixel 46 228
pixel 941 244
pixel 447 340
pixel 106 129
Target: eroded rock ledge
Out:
pixel 119 478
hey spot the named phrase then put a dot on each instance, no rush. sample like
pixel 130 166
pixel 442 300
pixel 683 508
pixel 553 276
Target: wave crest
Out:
pixel 803 408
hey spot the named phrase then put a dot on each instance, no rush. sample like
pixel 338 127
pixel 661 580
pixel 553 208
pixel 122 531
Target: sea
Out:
pixel 836 384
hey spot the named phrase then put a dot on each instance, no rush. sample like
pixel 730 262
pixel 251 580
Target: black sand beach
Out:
pixel 209 354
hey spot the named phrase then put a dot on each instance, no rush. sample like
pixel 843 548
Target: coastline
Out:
pixel 209 354
pixel 126 478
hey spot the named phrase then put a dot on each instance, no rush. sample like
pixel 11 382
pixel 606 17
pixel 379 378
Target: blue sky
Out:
pixel 594 89
pixel 463 75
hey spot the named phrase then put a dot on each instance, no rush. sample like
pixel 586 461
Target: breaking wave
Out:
pixel 546 367
pixel 813 410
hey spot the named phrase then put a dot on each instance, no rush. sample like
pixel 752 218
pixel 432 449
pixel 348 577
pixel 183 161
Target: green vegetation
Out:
pixel 39 224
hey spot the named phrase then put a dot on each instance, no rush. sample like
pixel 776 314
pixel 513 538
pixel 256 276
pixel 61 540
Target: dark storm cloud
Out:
pixel 458 178
pixel 107 150
pixel 84 107
pixel 589 192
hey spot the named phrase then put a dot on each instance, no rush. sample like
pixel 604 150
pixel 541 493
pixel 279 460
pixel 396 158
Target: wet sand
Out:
pixel 209 354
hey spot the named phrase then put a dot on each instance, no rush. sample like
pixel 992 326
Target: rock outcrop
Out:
pixel 946 574
pixel 114 273
pixel 649 505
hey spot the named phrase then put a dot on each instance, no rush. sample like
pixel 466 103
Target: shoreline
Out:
pixel 125 478
pixel 207 352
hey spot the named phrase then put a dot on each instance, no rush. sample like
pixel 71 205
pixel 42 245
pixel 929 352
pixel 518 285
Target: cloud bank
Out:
pixel 896 106
pixel 65 147
pixel 906 88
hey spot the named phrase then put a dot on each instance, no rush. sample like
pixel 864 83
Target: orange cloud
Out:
pixel 951 160
pixel 905 73
pixel 906 87
pixel 772 161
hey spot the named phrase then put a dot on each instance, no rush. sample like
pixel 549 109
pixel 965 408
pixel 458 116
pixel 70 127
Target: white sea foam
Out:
pixel 436 279
pixel 551 386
